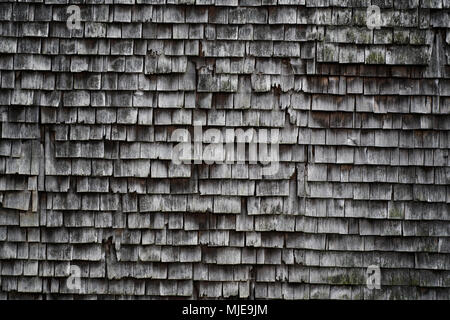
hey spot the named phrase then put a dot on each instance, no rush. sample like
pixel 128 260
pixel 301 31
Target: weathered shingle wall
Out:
pixel 86 171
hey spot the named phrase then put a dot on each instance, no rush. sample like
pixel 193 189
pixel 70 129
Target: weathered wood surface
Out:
pixel 86 177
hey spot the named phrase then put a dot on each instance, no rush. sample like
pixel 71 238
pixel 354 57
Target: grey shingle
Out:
pixel 86 149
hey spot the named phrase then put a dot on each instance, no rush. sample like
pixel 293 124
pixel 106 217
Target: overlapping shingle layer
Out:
pixel 86 172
